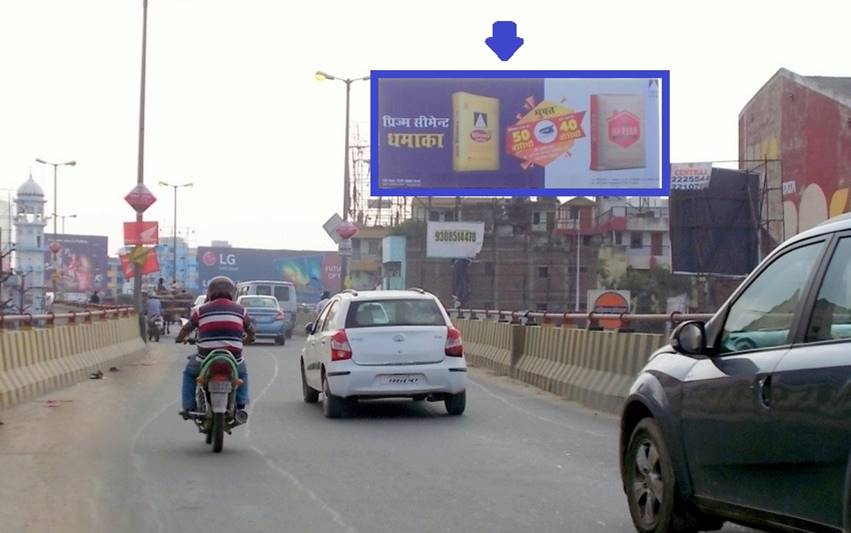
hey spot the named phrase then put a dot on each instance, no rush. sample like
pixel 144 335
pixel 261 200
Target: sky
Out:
pixel 234 108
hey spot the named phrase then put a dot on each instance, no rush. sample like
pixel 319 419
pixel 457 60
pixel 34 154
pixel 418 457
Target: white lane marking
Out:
pixel 338 519
pixel 138 463
pixel 508 402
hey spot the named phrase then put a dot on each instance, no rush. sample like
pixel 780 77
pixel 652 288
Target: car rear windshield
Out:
pixel 373 313
pixel 259 302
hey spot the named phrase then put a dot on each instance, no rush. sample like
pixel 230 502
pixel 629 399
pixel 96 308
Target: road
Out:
pixel 111 455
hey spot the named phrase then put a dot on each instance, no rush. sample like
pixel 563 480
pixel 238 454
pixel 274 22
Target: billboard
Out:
pixel 82 261
pixel 519 133
pixel 310 271
pixel 714 226
pixel 455 240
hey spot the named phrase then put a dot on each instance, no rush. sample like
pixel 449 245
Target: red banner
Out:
pixel 150 265
pixel 141 234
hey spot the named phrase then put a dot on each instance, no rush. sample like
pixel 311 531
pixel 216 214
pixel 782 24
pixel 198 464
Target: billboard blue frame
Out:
pixel 377 75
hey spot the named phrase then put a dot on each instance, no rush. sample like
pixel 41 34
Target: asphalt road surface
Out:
pixel 112 455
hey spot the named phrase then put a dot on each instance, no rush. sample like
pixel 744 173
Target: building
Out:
pixel 796 132
pixel 365 263
pixel 30 247
pixel 187 264
pixel 526 261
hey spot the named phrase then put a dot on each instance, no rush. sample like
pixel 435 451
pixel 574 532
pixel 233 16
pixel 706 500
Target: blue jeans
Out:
pixel 190 374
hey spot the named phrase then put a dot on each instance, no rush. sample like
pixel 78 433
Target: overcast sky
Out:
pixel 233 105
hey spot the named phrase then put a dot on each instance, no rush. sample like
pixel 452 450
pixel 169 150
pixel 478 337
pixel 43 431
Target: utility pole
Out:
pixel 140 166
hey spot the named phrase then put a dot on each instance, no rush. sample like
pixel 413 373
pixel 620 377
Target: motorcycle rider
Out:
pixel 153 307
pixel 221 324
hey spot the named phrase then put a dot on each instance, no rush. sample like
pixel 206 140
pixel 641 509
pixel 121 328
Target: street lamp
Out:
pixel 63 217
pixel 174 234
pixel 322 76
pixel 55 206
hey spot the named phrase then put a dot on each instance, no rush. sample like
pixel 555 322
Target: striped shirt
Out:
pixel 221 325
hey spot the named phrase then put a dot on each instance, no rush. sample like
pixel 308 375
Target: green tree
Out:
pixel 650 289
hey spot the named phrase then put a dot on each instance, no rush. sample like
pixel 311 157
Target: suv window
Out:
pixel 831 318
pixel 763 313
pixel 282 293
pixel 371 313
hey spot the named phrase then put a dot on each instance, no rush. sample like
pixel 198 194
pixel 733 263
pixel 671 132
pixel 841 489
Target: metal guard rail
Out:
pixel 591 318
pixel 29 319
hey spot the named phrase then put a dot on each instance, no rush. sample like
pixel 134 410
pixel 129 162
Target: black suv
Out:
pixel 747 418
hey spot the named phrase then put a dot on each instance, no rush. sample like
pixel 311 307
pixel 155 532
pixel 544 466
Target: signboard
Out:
pixel 606 301
pixel 331 226
pixel 82 262
pixel 140 198
pixel 345 247
pixel 455 240
pixel 690 176
pixel 139 255
pixel 714 230
pixel 141 233
pixel 310 271
pixel 519 133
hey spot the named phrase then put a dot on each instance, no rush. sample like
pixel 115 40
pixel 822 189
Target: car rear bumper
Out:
pixel 272 329
pixel 347 379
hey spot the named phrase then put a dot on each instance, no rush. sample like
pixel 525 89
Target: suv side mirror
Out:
pixel 689 338
pixel 308 328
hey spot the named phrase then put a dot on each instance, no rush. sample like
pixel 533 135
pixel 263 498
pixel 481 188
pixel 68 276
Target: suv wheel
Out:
pixel 651 487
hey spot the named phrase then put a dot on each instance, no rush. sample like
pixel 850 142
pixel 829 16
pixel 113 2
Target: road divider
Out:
pixel 38 360
pixel 594 368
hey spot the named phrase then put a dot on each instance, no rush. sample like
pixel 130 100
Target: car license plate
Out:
pixel 400 379
pixel 219 386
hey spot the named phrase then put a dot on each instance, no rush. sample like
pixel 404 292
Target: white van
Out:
pixel 284 291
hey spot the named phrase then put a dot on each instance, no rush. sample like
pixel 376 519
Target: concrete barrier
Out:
pixel 34 362
pixel 594 368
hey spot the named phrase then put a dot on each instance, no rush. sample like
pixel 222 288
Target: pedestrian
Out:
pixel 95 299
pixel 326 295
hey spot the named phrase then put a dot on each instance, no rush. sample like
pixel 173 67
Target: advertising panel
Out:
pixel 82 261
pixel 519 133
pixel 310 271
pixel 714 228
pixel 455 240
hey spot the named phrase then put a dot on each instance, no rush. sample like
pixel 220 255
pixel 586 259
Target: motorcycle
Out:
pixel 215 397
pixel 155 328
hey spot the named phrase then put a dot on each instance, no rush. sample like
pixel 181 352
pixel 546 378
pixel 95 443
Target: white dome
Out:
pixel 30 189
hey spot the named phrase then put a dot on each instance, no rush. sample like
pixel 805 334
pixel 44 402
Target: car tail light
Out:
pixel 454 346
pixel 220 369
pixel 279 315
pixel 340 347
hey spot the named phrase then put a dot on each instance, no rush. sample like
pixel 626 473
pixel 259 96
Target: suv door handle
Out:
pixel 764 391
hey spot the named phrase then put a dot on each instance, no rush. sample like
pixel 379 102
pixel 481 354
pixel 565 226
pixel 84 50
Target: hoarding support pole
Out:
pixel 140 168
pixel 345 259
pixel 576 305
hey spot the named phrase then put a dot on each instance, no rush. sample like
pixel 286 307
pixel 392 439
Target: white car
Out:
pixel 383 344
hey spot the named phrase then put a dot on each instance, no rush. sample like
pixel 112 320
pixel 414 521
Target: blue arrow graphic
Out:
pixel 504 41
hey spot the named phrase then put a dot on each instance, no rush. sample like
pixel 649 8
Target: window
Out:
pixel 449 216
pixel 543 272
pixel 370 313
pixel 618 237
pixel 263 290
pixel 330 316
pixel 636 240
pixel 762 315
pixel 282 293
pixel 536 218
pixel 434 216
pixel 374 247
pixel 831 318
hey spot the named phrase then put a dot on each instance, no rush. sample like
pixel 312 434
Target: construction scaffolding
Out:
pixel 368 210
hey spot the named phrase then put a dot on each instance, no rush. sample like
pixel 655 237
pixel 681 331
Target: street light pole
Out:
pixel 63 221
pixel 55 208
pixel 346 178
pixel 174 230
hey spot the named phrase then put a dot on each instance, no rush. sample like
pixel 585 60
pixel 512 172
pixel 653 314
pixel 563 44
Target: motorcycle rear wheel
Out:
pixel 218 432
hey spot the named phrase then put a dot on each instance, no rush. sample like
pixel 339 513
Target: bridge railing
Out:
pixel 28 320
pixel 597 321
